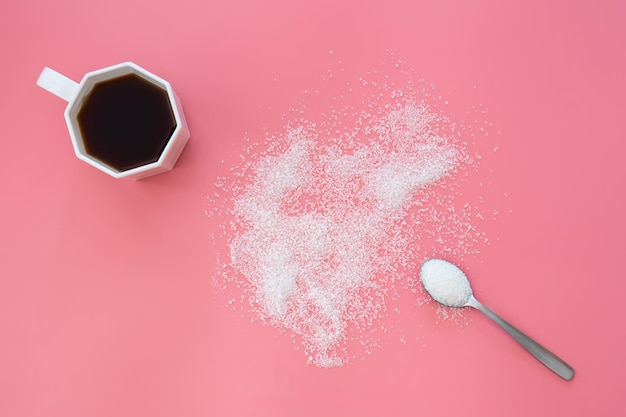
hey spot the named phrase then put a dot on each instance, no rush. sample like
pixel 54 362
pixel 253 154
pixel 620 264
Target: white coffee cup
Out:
pixel 131 139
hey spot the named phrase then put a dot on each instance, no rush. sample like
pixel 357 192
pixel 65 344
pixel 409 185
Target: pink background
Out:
pixel 107 300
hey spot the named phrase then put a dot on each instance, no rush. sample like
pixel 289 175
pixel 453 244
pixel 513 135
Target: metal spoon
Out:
pixel 447 284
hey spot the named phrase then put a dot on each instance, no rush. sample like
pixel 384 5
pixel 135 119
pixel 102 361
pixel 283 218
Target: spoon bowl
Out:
pixel 448 285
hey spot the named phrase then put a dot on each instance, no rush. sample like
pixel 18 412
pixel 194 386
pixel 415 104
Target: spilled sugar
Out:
pixel 319 223
pixel 326 221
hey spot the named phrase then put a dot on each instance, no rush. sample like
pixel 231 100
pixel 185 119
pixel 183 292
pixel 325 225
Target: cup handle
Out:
pixel 58 84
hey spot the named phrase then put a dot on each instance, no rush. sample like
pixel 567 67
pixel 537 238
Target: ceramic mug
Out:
pixel 123 120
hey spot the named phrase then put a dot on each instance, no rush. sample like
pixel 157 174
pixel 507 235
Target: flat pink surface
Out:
pixel 108 305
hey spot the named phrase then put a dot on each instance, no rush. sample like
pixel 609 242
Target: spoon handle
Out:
pixel 544 355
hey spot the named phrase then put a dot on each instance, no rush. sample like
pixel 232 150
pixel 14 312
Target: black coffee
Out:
pixel 126 122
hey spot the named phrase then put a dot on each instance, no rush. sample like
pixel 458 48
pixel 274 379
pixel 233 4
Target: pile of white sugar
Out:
pixel 320 224
pixel 445 282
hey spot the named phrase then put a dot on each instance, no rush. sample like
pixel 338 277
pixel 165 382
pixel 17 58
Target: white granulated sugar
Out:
pixel 321 223
pixel 445 282
pixel 316 218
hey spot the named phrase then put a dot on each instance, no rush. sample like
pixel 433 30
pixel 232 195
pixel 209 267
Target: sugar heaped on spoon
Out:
pixel 447 284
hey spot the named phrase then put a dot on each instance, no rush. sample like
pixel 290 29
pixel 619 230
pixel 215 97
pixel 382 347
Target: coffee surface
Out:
pixel 126 122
